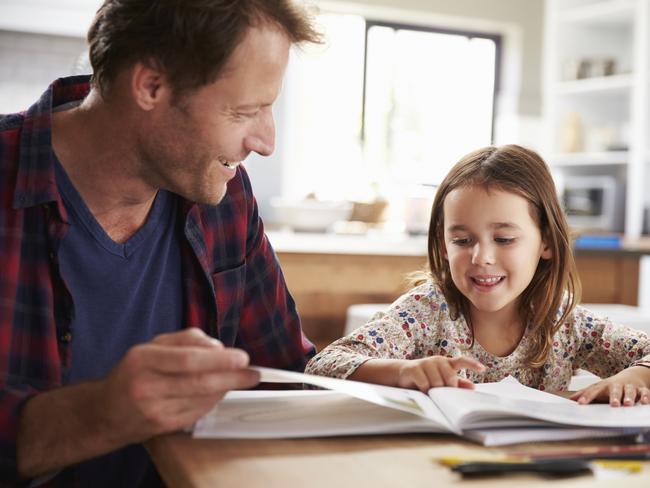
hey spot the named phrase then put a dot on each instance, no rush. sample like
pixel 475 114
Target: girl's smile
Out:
pixel 487 282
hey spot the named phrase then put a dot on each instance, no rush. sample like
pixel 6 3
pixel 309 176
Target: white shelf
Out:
pixel 617 30
pixel 589 158
pixel 610 12
pixel 614 83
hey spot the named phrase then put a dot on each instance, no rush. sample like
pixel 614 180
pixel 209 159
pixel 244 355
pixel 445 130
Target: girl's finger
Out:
pixel 433 374
pixel 615 394
pixel 644 395
pixel 629 395
pixel 467 362
pixel 576 395
pixel 589 394
pixel 419 379
pixel 448 374
pixel 465 383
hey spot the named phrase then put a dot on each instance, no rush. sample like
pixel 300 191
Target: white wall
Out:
pixel 30 62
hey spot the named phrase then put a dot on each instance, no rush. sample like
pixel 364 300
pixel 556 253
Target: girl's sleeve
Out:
pixel 605 348
pixel 397 333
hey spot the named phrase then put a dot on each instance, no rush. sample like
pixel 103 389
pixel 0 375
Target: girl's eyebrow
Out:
pixel 505 225
pixel 495 225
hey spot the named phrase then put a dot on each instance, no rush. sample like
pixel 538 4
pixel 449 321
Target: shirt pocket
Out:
pixel 229 297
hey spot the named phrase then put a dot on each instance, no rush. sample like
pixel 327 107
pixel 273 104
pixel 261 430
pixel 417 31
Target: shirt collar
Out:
pixel 36 180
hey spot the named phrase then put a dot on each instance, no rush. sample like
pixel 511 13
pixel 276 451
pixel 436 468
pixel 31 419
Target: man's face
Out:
pixel 193 146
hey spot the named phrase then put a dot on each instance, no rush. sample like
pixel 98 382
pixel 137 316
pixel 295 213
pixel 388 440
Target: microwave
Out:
pixel 594 203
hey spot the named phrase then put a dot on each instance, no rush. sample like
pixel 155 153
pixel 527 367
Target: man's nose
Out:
pixel 262 138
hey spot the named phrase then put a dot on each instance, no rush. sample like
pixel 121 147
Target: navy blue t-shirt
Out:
pixel 123 294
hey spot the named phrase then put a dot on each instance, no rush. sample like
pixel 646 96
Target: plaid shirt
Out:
pixel 233 286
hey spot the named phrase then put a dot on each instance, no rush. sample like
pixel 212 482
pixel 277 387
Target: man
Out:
pixel 137 283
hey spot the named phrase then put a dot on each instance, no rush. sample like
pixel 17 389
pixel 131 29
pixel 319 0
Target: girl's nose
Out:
pixel 482 254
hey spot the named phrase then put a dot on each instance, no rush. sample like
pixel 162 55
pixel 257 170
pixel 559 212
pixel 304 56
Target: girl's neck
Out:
pixel 498 332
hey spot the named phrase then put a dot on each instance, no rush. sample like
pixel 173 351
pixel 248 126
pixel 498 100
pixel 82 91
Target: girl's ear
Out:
pixel 546 251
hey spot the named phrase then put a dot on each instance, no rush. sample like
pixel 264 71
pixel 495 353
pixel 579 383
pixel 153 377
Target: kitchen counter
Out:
pixel 372 243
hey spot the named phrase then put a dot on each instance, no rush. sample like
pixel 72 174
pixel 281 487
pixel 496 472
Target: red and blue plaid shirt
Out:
pixel 233 286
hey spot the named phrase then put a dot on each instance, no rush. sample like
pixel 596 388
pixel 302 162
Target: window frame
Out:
pixel 496 38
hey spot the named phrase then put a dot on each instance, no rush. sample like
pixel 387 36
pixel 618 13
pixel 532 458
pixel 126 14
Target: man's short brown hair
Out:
pixel 189 40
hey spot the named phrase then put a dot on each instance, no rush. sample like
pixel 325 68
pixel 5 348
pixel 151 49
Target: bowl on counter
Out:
pixel 309 215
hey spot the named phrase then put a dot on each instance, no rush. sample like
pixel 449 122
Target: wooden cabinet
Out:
pixel 609 278
pixel 325 285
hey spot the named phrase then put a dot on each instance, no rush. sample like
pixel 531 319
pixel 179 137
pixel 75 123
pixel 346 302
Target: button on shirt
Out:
pixel 232 285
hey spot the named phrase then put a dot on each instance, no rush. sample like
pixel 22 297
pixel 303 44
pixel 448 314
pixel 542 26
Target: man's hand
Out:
pixel 158 387
pixel 169 383
pixel 625 388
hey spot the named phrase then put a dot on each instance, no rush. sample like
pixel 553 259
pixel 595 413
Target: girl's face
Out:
pixel 493 246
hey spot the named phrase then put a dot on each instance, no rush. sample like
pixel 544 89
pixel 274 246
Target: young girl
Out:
pixel 500 299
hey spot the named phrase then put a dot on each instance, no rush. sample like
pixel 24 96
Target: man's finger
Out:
pixel 189 359
pixel 198 385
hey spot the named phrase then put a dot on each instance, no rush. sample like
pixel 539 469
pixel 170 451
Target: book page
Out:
pixel 470 409
pixel 294 414
pixel 509 387
pixel 398 398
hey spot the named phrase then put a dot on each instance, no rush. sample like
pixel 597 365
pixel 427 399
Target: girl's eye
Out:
pixel 461 241
pixel 504 240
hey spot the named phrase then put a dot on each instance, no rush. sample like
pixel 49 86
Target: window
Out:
pixel 385 106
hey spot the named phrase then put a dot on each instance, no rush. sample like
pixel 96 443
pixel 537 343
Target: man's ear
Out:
pixel 149 85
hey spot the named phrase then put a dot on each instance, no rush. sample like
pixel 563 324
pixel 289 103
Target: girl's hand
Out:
pixel 626 388
pixel 435 371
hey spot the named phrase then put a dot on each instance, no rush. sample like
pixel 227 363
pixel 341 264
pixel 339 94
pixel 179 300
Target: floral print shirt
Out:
pixel 418 325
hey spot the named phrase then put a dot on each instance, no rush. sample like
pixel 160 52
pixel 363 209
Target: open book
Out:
pixel 494 413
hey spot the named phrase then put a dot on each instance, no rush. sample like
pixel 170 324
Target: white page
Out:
pixel 509 387
pixel 295 414
pixel 411 401
pixel 468 409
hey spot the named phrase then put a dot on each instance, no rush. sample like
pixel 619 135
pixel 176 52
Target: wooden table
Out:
pixel 372 461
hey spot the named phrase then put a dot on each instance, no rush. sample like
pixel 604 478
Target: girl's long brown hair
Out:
pixel 555 283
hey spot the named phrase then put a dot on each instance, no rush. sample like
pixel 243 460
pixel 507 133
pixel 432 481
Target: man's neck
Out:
pixel 95 149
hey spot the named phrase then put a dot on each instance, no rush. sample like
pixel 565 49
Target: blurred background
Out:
pixel 370 122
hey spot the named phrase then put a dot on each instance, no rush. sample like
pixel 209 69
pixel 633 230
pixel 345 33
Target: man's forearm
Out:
pixel 63 427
